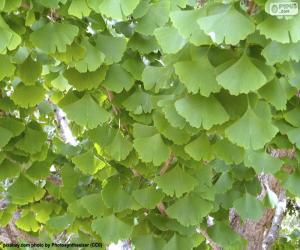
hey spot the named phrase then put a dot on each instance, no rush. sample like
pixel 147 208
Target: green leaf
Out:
pixel 169 39
pixel 200 149
pixel 148 242
pixel 60 83
pixel 197 76
pixel 292 183
pixel 163 126
pixel 139 102
pixel 9 169
pixel 117 79
pixel 28 96
pixel 147 153
pixel 189 210
pixel 228 152
pixel 178 243
pixel 5 136
pixel 186 23
pixel 114 9
pixel 30 71
pixel 262 162
pixel 112 47
pixel 244 68
pixel 148 197
pixel 116 198
pixel 248 207
pixel 86 112
pixel 111 229
pixel 79 8
pixel 14 125
pixel 77 209
pixel 59 223
pixel 85 81
pixel 294 136
pixel 62 34
pixel 23 191
pixel 251 131
pixel 94 204
pixel 222 16
pixel 224 183
pixel 7 68
pixel 176 182
pixel 198 110
pixel 88 163
pixel 280 30
pixel 9 40
pixel 292 117
pixel 27 222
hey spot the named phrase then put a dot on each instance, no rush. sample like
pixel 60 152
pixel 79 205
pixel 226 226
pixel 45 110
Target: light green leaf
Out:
pixel 86 112
pixel 262 162
pixel 5 136
pixel 251 131
pixel 186 23
pixel 9 40
pixel 248 207
pixel 117 79
pixel 200 149
pixel 292 184
pixel 23 191
pixel 139 102
pixel 61 83
pixel 62 34
pixel 176 182
pixel 112 47
pixel 189 210
pixel 148 242
pixel 9 169
pixel 294 136
pixel 148 153
pixel 228 152
pixel 222 16
pixel 169 39
pixel 280 30
pixel 79 8
pixel 85 81
pixel 28 96
pixel 224 183
pixel 111 229
pixel 88 163
pixel 198 110
pixel 94 204
pixel 197 76
pixel 178 243
pixel 7 68
pixel 59 223
pixel 148 197
pixel 242 77
pixel 29 71
pixel 27 222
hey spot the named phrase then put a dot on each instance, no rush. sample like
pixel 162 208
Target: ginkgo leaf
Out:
pixel 157 77
pixel 116 198
pixel 290 116
pixel 176 182
pixel 139 102
pixel 276 52
pixel 5 136
pixel 172 116
pixel 189 210
pixel 142 43
pixel 77 209
pixel 197 76
pixel 294 137
pixel 280 30
pixel 28 96
pixel 111 229
pixel 86 112
pixel 61 83
pixel 112 47
pixel 23 191
pixel 178 243
pixel 94 204
pixel 186 23
pixel 88 163
pixel 29 71
pixel 9 169
pixel 228 152
pixel 248 207
pixel 224 183
pixel 7 68
pixel 169 39
pixel 83 81
pixel 62 34
pixel 27 222
pixel 250 131
pixel 201 111
pixel 242 77
pixel 148 242
pixel 262 162
pixel 114 9
pixel 147 153
pixel 79 8
pixel 8 38
pixel 59 223
pixel 292 182
pixel 200 149
pixel 117 79
pixel 173 134
pixel 223 16
pixel 148 197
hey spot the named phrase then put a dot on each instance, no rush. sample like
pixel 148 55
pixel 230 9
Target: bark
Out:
pixel 262 234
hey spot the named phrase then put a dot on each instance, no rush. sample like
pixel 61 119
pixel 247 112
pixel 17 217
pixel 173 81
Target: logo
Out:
pixel 284 9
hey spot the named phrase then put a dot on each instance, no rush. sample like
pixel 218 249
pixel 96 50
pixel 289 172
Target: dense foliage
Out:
pixel 175 107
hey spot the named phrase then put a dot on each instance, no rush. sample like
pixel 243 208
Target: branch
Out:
pixel 213 244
